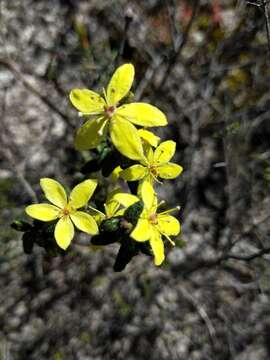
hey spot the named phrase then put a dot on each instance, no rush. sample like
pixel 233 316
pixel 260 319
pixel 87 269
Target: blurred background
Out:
pixel 206 65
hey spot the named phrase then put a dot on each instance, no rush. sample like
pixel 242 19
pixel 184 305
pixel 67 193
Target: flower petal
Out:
pixel 149 137
pixel 126 199
pixel 84 222
pixel 164 152
pixel 126 139
pixel 142 231
pixel 111 208
pixel 142 114
pixel 112 193
pixel 168 225
pixel 90 134
pixel 64 232
pixel 81 193
pixel 148 196
pixel 87 101
pixel 169 171
pixel 133 173
pixel 54 192
pixel 120 83
pixel 149 153
pixel 157 247
pixel 115 174
pixel 43 212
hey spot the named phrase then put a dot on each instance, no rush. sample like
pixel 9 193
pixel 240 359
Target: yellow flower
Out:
pixel 152 225
pixel 111 207
pixel 155 165
pixel 118 120
pixel 65 209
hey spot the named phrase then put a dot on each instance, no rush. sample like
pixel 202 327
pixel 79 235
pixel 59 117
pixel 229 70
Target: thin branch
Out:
pixel 202 313
pixel 19 174
pixel 17 73
pixel 250 257
pixel 8 155
pixel 179 42
pixel 267 22
pixel 256 4
pixel 128 21
pixel 179 45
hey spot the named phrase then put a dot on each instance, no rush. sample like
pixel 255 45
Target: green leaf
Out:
pixel 145 248
pixel 20 225
pixel 28 242
pixel 39 238
pixel 109 163
pixel 106 151
pixel 133 212
pixel 52 249
pixel 91 166
pixel 110 225
pixel 133 187
pixel 127 251
pixel 104 239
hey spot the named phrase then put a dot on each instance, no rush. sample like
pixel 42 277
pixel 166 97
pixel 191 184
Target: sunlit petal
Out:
pixel 149 137
pixel 149 153
pixel 126 199
pixel 120 83
pixel 87 101
pixel 84 222
pixel 115 174
pixel 43 212
pixel 82 192
pixel 91 134
pixel 112 193
pixel 142 114
pixel 142 231
pixel 148 195
pixel 111 208
pixel 164 152
pixel 169 171
pixel 54 192
pixel 168 225
pixel 157 247
pixel 125 138
pixel 134 173
pixel 64 232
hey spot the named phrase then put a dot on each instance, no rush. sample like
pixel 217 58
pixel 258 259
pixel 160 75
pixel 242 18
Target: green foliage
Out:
pixel 40 234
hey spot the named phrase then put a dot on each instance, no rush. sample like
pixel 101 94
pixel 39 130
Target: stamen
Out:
pixel 155 178
pixel 105 95
pixel 101 130
pixel 169 239
pixel 96 210
pixel 160 203
pixel 177 208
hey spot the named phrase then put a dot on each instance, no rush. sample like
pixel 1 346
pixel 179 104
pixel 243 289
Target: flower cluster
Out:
pixel 115 134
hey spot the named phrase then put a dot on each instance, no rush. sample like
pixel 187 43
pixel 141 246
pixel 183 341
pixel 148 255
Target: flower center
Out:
pixel 153 170
pixel 66 212
pixel 109 111
pixel 153 219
